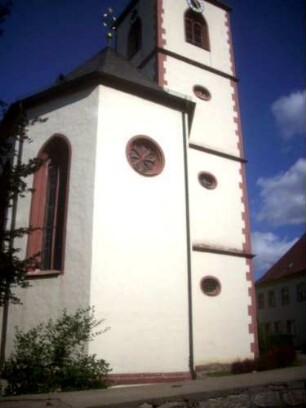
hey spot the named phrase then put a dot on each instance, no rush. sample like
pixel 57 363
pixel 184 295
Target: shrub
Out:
pixel 242 367
pixel 267 342
pixel 52 356
pixel 276 357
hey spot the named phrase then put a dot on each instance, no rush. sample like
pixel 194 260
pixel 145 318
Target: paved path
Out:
pixel 135 396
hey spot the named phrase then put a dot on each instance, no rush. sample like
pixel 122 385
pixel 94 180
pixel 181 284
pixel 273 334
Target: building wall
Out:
pixel 213 126
pixel 139 265
pixel 221 323
pixel 126 241
pixel 173 23
pixel 295 310
pixel 215 214
pixel 75 117
pixel 218 217
pixel 132 229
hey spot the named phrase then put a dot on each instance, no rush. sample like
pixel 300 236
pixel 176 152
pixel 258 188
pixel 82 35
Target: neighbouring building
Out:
pixel 281 296
pixel 142 198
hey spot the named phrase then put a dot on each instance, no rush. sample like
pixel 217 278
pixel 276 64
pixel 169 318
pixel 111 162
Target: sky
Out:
pixel 44 38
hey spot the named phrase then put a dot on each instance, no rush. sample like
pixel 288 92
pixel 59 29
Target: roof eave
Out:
pixel 293 275
pixel 96 78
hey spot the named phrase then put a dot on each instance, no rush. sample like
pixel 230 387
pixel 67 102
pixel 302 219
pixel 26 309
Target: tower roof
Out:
pixel 110 62
pixel 291 263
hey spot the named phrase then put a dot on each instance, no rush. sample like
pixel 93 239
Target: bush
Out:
pixel 268 341
pixel 52 356
pixel 242 367
pixel 276 357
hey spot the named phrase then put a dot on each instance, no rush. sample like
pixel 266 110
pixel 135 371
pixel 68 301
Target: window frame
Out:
pixel 134 38
pixel 271 298
pixel 261 300
pixel 36 245
pixel 290 327
pixel 285 296
pixel 192 22
pixel 301 292
pixel 278 327
pixel 208 280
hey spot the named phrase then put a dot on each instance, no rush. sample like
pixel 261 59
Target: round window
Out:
pixel 210 286
pixel 201 92
pixel 207 180
pixel 145 156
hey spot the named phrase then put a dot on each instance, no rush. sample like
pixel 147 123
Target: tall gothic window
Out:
pixel 196 30
pixel 134 36
pixel 49 203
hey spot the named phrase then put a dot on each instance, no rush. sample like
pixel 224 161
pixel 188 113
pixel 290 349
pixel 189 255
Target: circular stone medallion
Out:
pixel 145 156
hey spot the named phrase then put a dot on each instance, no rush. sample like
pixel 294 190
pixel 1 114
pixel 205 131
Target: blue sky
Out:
pixel 44 38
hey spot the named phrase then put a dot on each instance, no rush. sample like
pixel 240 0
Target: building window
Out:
pixel 285 297
pixel 210 286
pixel 271 298
pixel 48 208
pixel 261 300
pixel 267 328
pixel 301 292
pixel 196 30
pixel 290 327
pixel 145 156
pixel 207 180
pixel 201 93
pixel 278 327
pixel 134 36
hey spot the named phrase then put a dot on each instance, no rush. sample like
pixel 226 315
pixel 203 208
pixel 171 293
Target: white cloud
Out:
pixel 289 112
pixel 283 196
pixel 268 248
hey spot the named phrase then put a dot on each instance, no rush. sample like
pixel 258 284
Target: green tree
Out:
pixel 14 171
pixel 14 127
pixel 52 356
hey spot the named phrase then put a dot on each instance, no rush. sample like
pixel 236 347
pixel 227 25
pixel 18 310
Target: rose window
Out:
pixel 145 156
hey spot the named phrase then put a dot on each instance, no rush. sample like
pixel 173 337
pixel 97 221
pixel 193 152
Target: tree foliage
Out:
pixel 52 356
pixel 13 186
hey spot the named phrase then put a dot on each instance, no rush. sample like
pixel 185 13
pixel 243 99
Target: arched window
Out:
pixel 196 30
pixel 134 37
pixel 49 204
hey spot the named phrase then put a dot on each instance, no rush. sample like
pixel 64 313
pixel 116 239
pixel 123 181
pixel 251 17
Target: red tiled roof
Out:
pixel 292 262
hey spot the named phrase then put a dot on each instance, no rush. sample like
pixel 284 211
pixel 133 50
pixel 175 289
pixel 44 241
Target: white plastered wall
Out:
pixel 139 265
pixel 216 218
pixel 213 126
pixel 173 22
pixel 221 323
pixel 75 117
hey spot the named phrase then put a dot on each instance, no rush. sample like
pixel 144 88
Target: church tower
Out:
pixel 186 47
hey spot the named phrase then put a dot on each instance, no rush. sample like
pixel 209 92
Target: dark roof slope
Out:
pixel 108 68
pixel 110 62
pixel 293 262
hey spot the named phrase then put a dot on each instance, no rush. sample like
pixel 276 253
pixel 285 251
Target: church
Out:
pixel 141 201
